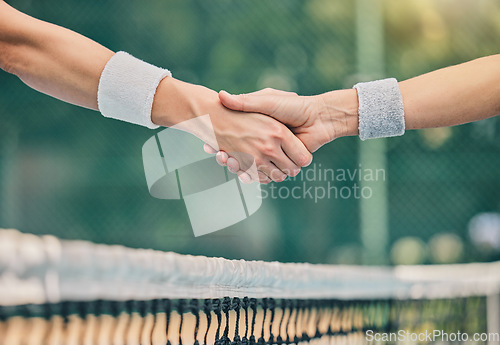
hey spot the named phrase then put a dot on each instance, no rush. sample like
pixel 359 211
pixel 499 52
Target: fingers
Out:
pixel 286 107
pixel 209 149
pixel 296 150
pixel 263 178
pixel 244 177
pixel 284 167
pixel 221 157
pixel 265 174
pixel 252 174
pixel 233 165
pixel 276 169
pixel 273 172
pixel 270 91
pixel 265 104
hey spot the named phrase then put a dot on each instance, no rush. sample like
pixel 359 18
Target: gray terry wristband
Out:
pixel 381 112
pixel 127 88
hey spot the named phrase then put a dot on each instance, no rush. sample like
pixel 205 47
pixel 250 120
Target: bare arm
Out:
pixel 446 97
pixel 453 95
pixel 68 66
pixel 51 59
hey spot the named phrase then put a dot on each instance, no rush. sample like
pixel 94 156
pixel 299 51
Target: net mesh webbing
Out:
pixel 77 293
pixel 235 321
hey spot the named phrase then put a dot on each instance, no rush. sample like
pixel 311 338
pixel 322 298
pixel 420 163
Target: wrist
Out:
pixel 381 110
pixel 183 106
pixel 339 109
pixel 172 103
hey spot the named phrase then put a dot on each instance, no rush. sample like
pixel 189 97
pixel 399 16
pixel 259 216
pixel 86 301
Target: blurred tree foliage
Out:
pixel 67 171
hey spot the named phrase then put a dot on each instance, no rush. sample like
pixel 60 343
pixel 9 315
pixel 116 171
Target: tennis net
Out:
pixel 75 292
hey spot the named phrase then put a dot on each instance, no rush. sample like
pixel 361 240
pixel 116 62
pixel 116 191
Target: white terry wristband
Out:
pixel 127 88
pixel 381 112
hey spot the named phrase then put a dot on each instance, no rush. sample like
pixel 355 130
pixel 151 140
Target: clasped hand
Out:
pixel 313 120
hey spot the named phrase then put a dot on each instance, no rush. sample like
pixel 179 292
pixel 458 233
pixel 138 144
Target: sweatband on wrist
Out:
pixel 127 88
pixel 381 112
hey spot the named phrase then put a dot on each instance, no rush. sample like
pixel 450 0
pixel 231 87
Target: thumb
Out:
pixel 287 109
pixel 264 104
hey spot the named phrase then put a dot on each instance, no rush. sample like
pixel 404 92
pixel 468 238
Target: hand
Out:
pixel 315 120
pixel 276 150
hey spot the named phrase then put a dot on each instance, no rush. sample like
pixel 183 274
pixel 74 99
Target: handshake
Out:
pixel 281 129
pixel 276 130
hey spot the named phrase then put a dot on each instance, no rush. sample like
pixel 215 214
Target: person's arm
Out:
pixel 446 97
pixel 51 59
pixel 453 95
pixel 68 66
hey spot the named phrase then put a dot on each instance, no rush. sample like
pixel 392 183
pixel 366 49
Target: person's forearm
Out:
pixel 66 65
pixel 176 101
pixel 51 59
pixel 446 97
pixel 453 95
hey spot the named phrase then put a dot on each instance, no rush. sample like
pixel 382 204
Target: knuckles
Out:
pixel 276 130
pixel 268 149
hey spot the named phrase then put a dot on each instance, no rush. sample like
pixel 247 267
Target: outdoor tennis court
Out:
pixel 74 292
pixel 382 241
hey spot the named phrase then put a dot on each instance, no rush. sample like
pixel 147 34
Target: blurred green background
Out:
pixel 69 172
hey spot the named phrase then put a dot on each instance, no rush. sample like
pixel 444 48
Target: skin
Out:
pixel 66 65
pixel 446 97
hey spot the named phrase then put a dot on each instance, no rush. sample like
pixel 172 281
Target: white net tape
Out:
pixel 44 269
